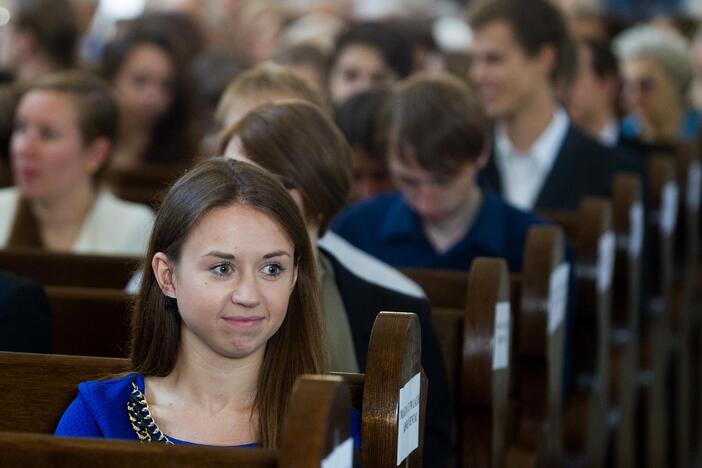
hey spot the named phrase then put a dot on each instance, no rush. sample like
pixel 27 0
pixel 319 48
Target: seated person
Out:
pixel 657 73
pixel 440 217
pixel 64 132
pixel 357 118
pixel 227 318
pixel 267 82
pixel 25 319
pixel 301 146
pixel 367 55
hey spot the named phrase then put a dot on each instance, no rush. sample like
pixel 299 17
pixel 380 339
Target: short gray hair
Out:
pixel 667 48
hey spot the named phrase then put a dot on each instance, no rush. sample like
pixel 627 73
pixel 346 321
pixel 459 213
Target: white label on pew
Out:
pixel 669 208
pixel 605 265
pixel 408 427
pixel 500 351
pixel 341 457
pixel 636 229
pixel 558 296
pixel 694 185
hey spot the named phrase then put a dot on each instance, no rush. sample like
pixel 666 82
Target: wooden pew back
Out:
pixel 317 424
pixel 67 269
pixel 89 321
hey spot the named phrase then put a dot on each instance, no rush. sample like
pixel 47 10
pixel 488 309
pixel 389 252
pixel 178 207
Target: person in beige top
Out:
pixel 64 129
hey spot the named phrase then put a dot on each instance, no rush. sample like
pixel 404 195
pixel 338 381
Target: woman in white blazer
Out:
pixel 65 126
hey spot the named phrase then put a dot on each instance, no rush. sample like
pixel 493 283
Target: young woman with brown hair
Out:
pixel 226 319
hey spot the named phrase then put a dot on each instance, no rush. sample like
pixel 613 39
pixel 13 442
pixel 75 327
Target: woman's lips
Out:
pixel 243 322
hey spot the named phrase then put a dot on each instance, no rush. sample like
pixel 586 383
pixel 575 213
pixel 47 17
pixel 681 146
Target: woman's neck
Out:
pixel 665 128
pixel 209 382
pixel 131 146
pixel 60 219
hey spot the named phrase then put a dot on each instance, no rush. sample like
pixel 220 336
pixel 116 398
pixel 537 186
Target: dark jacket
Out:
pixel 583 167
pixel 25 320
pixel 363 299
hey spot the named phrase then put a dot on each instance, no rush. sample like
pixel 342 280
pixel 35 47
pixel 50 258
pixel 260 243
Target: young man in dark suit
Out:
pixel 539 160
pixel 24 316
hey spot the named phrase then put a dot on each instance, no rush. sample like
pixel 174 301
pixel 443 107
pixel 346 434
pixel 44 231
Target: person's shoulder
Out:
pixel 372 209
pixel 366 267
pixel 126 210
pixel 12 286
pixel 8 194
pixel 110 389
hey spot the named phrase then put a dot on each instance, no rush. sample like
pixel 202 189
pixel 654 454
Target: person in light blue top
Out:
pixel 657 72
pixel 227 317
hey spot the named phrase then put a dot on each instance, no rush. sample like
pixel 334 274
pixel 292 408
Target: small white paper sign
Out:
pixel 605 266
pixel 669 208
pixel 500 351
pixel 558 296
pixel 408 412
pixel 341 456
pixel 694 185
pixel 636 229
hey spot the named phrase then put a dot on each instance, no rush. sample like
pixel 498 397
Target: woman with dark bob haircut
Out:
pixel 227 317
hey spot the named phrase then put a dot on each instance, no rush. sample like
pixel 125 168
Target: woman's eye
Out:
pixel 223 269
pixel 272 270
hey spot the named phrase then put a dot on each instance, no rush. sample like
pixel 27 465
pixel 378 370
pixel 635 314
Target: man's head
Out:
pixel 519 51
pixel 435 132
pixel 595 89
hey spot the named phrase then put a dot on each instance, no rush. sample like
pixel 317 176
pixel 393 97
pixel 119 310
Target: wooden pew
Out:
pixel 534 429
pixel 317 426
pixel 67 269
pixel 590 230
pixel 40 388
pixel 628 225
pixel 146 184
pixel 653 414
pixel 89 321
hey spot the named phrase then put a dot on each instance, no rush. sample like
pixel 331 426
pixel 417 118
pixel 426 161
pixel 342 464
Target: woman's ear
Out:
pixel 97 153
pixel 164 272
pixel 294 278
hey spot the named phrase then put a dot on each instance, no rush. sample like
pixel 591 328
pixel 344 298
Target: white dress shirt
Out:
pixel 523 174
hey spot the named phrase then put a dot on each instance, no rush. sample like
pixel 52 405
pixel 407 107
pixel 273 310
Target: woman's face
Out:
pixel 233 281
pixel 649 93
pixel 49 156
pixel 144 85
pixel 357 68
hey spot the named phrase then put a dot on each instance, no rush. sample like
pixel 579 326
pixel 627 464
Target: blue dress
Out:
pixel 100 411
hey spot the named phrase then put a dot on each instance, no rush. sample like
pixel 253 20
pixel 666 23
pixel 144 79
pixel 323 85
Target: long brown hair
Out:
pixel 296 141
pixel 297 347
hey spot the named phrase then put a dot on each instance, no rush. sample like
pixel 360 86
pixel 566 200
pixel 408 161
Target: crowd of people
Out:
pixel 323 153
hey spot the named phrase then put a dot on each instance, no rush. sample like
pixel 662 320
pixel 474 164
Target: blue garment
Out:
pixel 100 410
pixel 387 228
pixel 689 127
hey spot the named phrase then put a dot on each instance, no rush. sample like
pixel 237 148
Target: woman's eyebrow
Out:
pixel 223 255
pixel 277 253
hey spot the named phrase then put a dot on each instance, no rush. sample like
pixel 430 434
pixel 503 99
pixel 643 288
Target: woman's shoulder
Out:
pixel 8 205
pixel 115 227
pixel 108 202
pixel 99 409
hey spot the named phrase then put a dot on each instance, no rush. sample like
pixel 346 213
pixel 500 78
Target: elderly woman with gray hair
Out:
pixel 656 72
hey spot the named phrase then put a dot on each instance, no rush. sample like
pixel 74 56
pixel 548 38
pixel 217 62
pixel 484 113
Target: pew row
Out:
pixel 40 388
pixel 316 429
